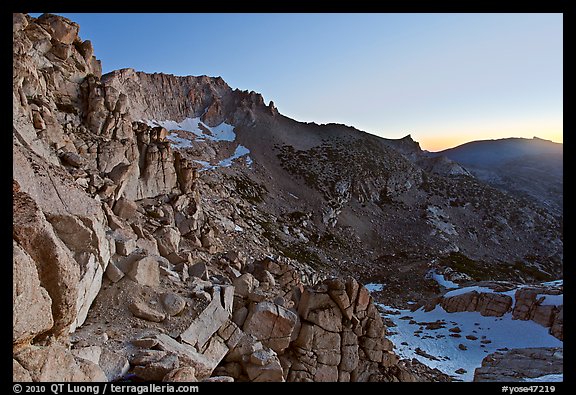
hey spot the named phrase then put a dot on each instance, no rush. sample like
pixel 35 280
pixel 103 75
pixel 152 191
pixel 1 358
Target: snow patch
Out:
pixel 554 378
pixel 439 278
pixel 466 290
pixel 500 331
pixel 202 162
pixel 221 132
pixel 554 283
pixel 551 300
pixel 179 142
pixel 238 153
pixel 373 287
pixel 205 165
pixel 238 228
pixel 202 132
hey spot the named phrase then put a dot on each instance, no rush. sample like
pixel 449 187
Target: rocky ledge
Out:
pixel 543 304
pixel 524 364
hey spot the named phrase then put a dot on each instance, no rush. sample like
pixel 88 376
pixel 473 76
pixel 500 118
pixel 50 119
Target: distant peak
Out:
pixel 405 145
pixel 541 139
pixel 408 140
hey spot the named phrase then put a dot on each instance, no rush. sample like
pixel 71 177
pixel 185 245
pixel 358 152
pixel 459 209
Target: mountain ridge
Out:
pixel 534 138
pixel 531 168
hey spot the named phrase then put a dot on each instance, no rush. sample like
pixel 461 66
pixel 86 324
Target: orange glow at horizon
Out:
pixel 442 142
pixel 438 140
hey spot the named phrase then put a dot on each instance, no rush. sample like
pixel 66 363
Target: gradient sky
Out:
pixel 445 79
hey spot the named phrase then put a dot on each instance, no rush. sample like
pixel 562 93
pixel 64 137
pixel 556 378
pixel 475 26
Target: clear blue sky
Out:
pixel 444 78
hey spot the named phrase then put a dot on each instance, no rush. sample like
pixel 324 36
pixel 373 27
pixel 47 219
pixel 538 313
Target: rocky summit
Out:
pixel 175 229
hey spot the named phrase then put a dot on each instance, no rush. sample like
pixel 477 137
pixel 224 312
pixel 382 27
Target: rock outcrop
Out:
pixel 32 314
pixel 541 304
pixel 342 336
pixel 544 306
pixel 521 365
pixel 61 249
pixel 55 363
pixel 486 303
